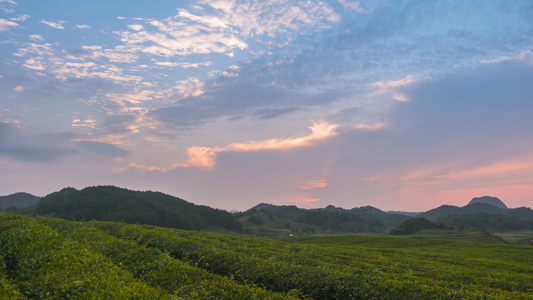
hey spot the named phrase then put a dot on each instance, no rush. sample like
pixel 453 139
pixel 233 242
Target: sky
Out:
pixel 401 105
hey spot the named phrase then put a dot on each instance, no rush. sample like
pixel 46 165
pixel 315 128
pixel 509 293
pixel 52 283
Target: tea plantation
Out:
pixel 47 258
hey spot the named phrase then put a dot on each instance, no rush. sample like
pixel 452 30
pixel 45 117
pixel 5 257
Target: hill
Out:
pixel 488 200
pixel 485 204
pixel 268 219
pixel 483 213
pixel 109 203
pixel 415 225
pixel 21 200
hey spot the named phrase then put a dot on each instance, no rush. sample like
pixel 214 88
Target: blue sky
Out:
pixel 403 105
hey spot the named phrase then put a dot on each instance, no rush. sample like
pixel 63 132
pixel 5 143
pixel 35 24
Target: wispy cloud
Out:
pixel 184 65
pixel 523 55
pixel 11 3
pixel 353 5
pixel 84 123
pixel 205 156
pixel 35 64
pixel 57 25
pixel 228 27
pixel 497 169
pixel 21 18
pixel 6 24
pixel 395 87
pixel 314 184
pixel 93 70
pixel 36 37
pixel 173 37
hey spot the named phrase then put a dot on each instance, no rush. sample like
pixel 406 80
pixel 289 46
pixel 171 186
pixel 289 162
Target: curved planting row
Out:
pixel 330 273
pixel 157 268
pixel 41 263
pixel 45 258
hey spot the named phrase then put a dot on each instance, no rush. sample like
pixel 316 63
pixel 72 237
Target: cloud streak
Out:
pixel 56 25
pixel 6 24
pixel 205 156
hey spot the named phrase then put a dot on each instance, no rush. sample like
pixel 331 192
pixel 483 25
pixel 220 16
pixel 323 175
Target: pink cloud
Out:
pixel 205 156
pixel 314 184
pixel 308 202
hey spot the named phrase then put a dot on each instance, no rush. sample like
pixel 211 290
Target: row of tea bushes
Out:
pixel 344 272
pixel 43 264
pixel 157 268
pixel 45 258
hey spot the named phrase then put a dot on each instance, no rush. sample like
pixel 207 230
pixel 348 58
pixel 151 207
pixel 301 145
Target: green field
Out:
pixel 46 258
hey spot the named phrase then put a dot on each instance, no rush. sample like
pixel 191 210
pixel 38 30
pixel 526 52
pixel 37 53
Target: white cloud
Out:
pixel 36 37
pixel 57 25
pixel 10 2
pixel 84 123
pixel 226 29
pixel 136 27
pixel 524 55
pixel 394 87
pixel 83 26
pixel 191 87
pixel 184 65
pixel 274 17
pixel 119 54
pixel 92 70
pixel 394 84
pixel 35 64
pixel 6 24
pixel 21 18
pixel 353 5
pixel 31 48
pixel 370 127
pixel 176 37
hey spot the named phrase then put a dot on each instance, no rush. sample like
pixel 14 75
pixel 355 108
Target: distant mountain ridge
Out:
pixel 21 200
pixel 265 219
pixel 110 203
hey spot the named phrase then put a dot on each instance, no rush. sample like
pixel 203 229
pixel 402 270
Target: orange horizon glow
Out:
pixel 308 202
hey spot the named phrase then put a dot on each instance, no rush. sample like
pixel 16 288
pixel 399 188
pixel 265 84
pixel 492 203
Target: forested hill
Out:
pixel 110 203
pixel 18 200
pixel 265 219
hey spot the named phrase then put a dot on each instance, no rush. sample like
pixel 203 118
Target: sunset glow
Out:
pixel 398 105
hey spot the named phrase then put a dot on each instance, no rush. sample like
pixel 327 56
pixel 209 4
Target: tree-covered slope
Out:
pixel 18 200
pixel 109 203
pixel 267 219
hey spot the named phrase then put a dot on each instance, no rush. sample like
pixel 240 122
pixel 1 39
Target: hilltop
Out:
pixel 488 200
pixel 110 203
pixel 21 200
